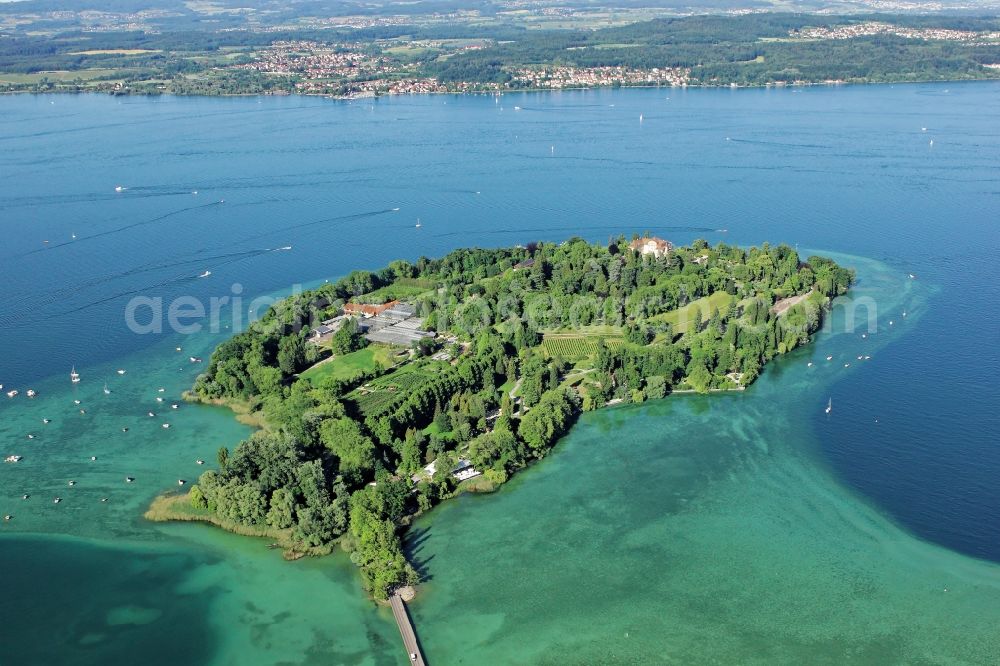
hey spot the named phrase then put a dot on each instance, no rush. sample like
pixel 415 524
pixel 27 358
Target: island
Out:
pixel 387 392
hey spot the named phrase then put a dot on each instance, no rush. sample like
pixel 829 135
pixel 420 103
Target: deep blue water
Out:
pixel 846 169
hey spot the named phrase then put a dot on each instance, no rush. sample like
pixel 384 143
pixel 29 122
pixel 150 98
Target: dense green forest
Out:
pixel 526 338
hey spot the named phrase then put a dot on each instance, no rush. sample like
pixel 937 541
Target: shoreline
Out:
pixel 542 434
pixel 175 507
pixel 470 93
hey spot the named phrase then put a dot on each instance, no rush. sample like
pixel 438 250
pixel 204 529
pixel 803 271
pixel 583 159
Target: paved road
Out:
pixel 406 630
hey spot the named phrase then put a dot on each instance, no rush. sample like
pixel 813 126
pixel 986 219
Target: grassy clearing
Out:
pixel 58 76
pixel 681 317
pixel 350 365
pixel 116 51
pixel 395 291
pixel 415 282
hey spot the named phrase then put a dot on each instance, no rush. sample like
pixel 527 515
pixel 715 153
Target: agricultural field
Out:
pixel 392 386
pixel 570 346
pixel 681 317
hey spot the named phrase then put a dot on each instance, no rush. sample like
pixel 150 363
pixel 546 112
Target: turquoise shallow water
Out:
pixel 701 530
pixel 712 530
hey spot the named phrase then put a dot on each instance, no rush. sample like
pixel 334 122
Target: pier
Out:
pixel 406 630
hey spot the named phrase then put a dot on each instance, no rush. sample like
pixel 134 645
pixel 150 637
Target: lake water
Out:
pixel 730 529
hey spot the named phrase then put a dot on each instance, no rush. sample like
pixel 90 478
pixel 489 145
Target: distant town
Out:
pixel 153 51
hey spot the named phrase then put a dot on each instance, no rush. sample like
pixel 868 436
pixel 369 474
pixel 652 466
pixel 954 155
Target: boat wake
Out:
pixel 110 232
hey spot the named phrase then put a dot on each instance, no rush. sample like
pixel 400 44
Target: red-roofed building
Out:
pixel 368 310
pixel 654 246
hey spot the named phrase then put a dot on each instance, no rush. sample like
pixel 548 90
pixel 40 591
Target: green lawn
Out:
pixel 349 365
pixel 681 317
pixel 399 290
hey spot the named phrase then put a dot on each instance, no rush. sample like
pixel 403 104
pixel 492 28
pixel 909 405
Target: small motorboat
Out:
pixel 12 393
pixel 31 393
pixel 194 359
pixel 205 274
pixel 120 372
pixel 151 414
pixel 13 459
pixel 31 436
pixel 104 499
pixel 119 188
pixel 107 391
pixel 25 496
pixel 829 358
pixel 124 429
pixel 166 425
pixel 178 349
pixel 83 411
pixel 174 406
pixel 199 462
pixel 93 458
pixel 181 482
pixel 159 399
pixel 57 500
pixel 76 402
pixel 160 390
pixel 7 516
pixel 129 479
pixel 46 421
pixel 72 483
